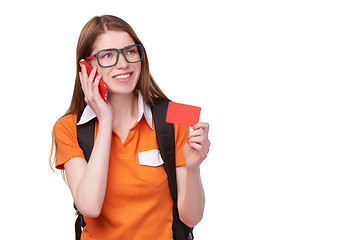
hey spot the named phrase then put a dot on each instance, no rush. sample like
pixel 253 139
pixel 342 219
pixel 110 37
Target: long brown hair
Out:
pixel 150 91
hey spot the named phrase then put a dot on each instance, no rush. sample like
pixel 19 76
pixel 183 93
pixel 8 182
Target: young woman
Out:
pixel 122 192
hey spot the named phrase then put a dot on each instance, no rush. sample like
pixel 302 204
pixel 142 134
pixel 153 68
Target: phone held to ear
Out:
pixel 103 89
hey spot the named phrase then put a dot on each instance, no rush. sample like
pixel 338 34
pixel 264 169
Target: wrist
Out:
pixel 193 170
pixel 105 122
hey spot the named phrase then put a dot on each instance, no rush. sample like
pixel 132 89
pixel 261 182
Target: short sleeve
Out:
pixel 66 144
pixel 181 134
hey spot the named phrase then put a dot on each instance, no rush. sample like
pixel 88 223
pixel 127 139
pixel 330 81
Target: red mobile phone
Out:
pixel 103 89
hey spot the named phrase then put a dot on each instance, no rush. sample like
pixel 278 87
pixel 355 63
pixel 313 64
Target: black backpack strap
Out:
pixel 78 227
pixel 165 137
pixel 85 136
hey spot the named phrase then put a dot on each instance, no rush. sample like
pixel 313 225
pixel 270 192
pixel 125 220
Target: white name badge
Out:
pixel 150 158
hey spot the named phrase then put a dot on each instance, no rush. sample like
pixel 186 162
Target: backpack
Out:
pixel 165 137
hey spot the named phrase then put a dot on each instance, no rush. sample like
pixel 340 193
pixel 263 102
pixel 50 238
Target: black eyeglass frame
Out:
pixel 96 55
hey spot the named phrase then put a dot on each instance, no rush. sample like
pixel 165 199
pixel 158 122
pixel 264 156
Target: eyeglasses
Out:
pixel 110 57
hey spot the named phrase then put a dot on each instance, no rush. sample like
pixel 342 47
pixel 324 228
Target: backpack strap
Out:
pixel 85 137
pixel 165 137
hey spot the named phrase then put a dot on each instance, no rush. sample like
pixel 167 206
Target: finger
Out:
pixel 82 82
pixel 198 136
pixel 83 72
pixel 84 78
pixel 198 132
pixel 92 74
pixel 196 139
pixel 90 80
pixel 201 140
pixel 203 125
pixel 95 86
pixel 97 80
pixel 201 149
pixel 196 146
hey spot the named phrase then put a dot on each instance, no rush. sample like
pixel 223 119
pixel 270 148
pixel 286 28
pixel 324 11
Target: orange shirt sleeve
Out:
pixel 181 134
pixel 66 144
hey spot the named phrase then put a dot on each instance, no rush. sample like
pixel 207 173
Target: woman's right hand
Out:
pixel 90 86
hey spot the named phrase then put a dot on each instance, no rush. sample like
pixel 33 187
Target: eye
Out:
pixel 107 54
pixel 131 50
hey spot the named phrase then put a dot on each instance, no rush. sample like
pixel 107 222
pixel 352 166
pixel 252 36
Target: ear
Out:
pixel 81 61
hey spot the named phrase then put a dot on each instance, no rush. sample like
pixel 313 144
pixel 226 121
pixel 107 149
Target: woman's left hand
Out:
pixel 197 146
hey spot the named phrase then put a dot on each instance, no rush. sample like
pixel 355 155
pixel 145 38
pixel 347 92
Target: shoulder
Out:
pixel 66 123
pixel 66 142
pixel 69 118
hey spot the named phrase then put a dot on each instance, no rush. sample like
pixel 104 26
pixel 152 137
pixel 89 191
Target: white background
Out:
pixel 278 81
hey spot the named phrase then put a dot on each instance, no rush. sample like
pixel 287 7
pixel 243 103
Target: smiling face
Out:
pixel 123 77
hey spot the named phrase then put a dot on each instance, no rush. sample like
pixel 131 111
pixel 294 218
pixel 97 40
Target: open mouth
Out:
pixel 122 76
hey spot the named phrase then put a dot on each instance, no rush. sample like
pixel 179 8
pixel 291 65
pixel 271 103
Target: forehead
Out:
pixel 112 39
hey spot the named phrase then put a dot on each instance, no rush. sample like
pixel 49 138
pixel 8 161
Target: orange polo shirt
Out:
pixel 138 203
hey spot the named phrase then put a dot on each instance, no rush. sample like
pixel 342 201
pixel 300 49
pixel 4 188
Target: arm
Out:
pixel 191 196
pixel 87 181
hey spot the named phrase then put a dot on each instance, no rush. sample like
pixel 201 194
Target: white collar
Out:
pixel 143 109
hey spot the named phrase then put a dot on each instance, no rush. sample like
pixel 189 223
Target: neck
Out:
pixel 125 106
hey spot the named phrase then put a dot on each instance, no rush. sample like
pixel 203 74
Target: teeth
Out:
pixel 122 76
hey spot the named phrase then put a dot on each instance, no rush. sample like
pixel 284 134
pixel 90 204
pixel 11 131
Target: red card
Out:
pixel 183 114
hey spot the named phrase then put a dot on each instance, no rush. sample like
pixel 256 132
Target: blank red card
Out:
pixel 183 114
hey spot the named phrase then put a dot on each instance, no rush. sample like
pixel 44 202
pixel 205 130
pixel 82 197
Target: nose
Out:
pixel 122 63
